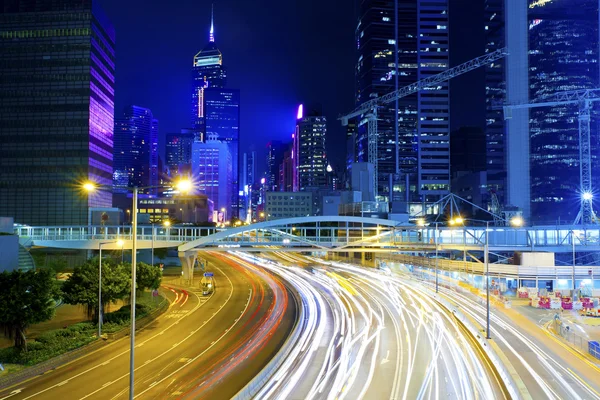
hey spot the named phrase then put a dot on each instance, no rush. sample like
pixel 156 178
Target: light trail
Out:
pixel 368 335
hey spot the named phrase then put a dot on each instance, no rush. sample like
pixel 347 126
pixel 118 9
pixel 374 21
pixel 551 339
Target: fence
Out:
pixel 567 332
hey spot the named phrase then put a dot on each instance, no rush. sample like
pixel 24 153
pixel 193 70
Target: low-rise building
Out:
pixel 288 204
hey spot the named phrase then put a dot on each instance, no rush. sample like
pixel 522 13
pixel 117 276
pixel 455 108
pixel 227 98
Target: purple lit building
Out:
pixel 57 66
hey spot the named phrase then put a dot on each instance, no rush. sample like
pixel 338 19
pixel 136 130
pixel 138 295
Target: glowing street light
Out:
pixel 167 223
pixel 587 196
pixel 517 221
pixel 421 222
pixel 183 185
pixel 89 187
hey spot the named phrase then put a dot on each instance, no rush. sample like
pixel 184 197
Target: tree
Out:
pixel 82 286
pixel 161 253
pixel 147 277
pixel 25 298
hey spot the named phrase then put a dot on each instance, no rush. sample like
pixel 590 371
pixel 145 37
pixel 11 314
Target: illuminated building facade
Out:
pixel 207 72
pixel 423 149
pixel 57 66
pixel 563 39
pixel 275 153
pixel 212 172
pixel 222 117
pixel 135 150
pixel 178 152
pixel 312 159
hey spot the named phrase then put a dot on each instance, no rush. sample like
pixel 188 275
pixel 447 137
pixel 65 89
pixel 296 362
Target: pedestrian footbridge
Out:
pixel 327 233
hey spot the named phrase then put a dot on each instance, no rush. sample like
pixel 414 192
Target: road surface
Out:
pixel 202 347
pixel 372 337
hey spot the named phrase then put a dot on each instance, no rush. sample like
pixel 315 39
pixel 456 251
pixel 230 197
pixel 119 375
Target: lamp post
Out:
pixel 183 186
pixel 120 243
pixel 573 268
pixel 436 234
pixel 515 222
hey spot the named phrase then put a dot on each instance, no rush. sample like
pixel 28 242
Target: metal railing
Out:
pixel 568 333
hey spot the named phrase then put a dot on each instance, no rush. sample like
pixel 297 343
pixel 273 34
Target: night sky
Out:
pixel 278 53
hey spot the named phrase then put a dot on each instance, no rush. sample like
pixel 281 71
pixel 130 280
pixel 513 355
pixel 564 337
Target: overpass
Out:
pixel 327 233
pixel 340 234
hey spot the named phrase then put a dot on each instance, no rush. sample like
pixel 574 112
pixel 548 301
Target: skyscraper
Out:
pixel 178 152
pixel 275 152
pixel 212 172
pixel 57 67
pixel 562 41
pixel 249 169
pixel 207 72
pixel 222 116
pixel 136 149
pixel 422 149
pixel 216 109
pixel 312 159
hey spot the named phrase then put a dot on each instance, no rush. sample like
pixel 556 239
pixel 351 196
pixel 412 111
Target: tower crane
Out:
pixel 584 99
pixel 369 108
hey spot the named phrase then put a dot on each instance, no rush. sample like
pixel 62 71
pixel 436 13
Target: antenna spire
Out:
pixel 211 37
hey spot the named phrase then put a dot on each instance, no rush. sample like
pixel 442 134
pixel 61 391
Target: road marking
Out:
pixel 162 354
pixel 118 355
pixel 195 358
pixel 106 384
pixel 11 394
pixel 62 383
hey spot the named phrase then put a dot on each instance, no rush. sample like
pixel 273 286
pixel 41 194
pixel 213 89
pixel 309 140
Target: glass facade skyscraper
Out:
pixel 563 40
pixel 423 118
pixel 178 152
pixel 57 66
pixel 312 159
pixel 222 116
pixel 135 150
pixel 207 72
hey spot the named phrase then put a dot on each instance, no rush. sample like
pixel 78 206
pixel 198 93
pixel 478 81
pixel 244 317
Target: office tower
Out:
pixel 422 149
pixel 312 160
pixel 212 172
pixel 222 117
pixel 275 151
pixel 135 160
pixel 562 54
pixel 249 168
pixel 57 66
pixel 286 171
pixel 178 152
pixel 207 72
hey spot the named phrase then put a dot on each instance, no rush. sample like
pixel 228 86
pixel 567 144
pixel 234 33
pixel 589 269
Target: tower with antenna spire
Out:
pixel 216 111
pixel 207 71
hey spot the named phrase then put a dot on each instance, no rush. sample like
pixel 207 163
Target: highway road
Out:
pixel 202 347
pixel 372 337
pixel 548 368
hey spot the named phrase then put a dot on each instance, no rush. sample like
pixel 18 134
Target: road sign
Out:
pixel 209 274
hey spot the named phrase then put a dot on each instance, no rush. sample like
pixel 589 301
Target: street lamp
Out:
pixel 516 222
pixel 183 185
pixel 120 244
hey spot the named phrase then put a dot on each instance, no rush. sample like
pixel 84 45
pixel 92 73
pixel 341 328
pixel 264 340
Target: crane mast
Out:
pixel 369 108
pixel 584 99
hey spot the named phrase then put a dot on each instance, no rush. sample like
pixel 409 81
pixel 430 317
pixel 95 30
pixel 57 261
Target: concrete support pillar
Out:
pixel 188 260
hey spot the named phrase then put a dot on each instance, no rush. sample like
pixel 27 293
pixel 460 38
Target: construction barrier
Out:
pixel 594 348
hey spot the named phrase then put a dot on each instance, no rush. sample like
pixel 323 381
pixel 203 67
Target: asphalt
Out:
pixel 202 347
pixel 414 347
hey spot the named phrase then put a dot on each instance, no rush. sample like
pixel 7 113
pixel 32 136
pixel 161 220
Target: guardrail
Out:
pixel 517 271
pixel 506 377
pixel 259 381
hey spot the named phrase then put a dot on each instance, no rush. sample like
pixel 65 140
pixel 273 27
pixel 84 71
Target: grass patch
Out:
pixel 59 341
